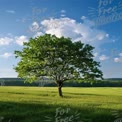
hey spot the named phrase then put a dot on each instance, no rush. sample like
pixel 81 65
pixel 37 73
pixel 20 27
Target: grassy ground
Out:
pixel 40 104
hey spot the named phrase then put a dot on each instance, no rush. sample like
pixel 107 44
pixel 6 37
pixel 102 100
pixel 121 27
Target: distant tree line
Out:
pixel 50 83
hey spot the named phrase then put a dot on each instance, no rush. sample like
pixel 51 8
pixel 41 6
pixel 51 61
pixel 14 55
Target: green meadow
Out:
pixel 42 104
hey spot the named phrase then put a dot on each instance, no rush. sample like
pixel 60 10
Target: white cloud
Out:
pixel 5 40
pixel 63 15
pixel 34 27
pixel 63 12
pixel 68 27
pixel 21 39
pixel 10 39
pixel 83 17
pixel 103 57
pixel 120 54
pixel 10 11
pixel 38 34
pixel 6 55
pixel 118 60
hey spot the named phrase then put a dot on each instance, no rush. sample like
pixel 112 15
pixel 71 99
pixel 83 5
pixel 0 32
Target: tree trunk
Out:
pixel 60 91
pixel 60 84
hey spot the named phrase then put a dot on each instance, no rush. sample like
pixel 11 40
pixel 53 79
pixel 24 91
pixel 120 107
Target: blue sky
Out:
pixel 96 22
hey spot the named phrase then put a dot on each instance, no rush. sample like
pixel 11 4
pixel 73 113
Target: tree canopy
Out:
pixel 58 58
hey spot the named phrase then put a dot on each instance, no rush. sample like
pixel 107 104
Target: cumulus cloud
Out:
pixel 21 39
pixel 5 40
pixel 83 17
pixel 10 11
pixel 11 39
pixel 68 27
pixel 63 15
pixel 63 12
pixel 118 59
pixel 34 27
pixel 120 54
pixel 103 57
pixel 6 55
pixel 38 34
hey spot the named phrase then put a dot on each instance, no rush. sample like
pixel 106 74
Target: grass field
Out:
pixel 40 104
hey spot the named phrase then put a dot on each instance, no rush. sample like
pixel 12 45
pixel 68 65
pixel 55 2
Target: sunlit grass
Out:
pixel 32 104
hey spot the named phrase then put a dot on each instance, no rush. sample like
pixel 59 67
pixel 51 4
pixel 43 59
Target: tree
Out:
pixel 56 58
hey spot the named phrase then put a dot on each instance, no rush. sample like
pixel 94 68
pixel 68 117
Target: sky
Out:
pixel 94 22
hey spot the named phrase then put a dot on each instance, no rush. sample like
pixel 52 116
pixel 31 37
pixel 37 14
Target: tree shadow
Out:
pixel 31 112
pixel 81 94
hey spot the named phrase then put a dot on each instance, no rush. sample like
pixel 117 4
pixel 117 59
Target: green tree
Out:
pixel 57 58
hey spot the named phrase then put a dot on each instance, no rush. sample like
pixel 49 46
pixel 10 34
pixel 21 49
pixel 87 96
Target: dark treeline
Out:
pixel 44 83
